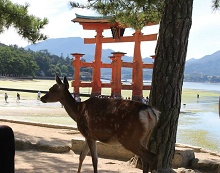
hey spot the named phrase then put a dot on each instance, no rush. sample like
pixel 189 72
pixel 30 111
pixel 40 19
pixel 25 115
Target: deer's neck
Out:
pixel 70 105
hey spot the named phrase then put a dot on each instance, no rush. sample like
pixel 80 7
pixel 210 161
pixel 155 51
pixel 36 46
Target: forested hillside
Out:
pixel 205 69
pixel 18 62
pixel 52 56
pixel 66 46
pixel 207 65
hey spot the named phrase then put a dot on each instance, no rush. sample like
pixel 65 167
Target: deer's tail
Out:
pixel 149 116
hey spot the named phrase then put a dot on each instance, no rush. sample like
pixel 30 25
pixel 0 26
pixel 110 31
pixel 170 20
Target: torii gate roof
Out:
pixel 94 22
pixel 91 19
pixel 101 22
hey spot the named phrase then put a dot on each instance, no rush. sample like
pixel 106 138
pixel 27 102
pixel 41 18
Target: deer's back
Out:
pixel 107 120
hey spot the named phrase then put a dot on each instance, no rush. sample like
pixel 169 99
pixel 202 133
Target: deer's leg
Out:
pixel 83 154
pixel 149 159
pixel 93 151
pixel 145 167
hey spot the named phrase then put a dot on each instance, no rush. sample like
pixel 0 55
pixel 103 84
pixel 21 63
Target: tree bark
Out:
pixel 168 74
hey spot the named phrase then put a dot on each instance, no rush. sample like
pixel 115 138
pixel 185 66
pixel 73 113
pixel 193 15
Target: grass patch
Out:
pixel 197 138
pixel 190 95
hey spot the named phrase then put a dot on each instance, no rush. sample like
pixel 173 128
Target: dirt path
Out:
pixel 40 162
pixel 31 161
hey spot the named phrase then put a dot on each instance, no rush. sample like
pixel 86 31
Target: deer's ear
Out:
pixel 65 81
pixel 58 80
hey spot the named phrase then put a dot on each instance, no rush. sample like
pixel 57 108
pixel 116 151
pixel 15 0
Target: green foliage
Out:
pixel 15 61
pixel 50 64
pixel 135 14
pixel 28 26
pixel 216 4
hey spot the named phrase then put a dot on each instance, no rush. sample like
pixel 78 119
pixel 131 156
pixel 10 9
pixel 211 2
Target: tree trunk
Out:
pixel 168 74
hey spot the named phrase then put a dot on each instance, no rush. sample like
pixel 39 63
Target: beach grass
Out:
pixel 198 137
pixel 190 95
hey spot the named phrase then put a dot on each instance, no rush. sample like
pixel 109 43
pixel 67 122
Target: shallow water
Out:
pixel 202 86
pixel 199 121
pixel 199 129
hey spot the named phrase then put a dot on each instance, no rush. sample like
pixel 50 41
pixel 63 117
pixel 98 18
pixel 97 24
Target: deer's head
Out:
pixel 57 91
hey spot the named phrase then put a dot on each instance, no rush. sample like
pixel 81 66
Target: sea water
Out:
pixel 199 121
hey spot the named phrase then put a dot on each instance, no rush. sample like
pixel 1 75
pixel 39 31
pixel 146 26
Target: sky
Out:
pixel 204 36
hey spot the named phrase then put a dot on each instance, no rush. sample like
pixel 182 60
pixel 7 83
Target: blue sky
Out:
pixel 204 35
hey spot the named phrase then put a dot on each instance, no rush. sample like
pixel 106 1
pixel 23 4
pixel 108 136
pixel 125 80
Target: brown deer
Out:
pixel 110 121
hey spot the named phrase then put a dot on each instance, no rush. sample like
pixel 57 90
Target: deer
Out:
pixel 110 121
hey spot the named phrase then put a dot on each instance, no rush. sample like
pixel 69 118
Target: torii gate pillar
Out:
pixel 96 82
pixel 116 73
pixel 76 64
pixel 137 73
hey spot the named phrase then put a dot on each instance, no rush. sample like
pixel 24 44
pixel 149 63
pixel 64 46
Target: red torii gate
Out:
pixel 99 24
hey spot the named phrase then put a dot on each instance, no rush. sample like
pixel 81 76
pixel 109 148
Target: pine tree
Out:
pixel 15 15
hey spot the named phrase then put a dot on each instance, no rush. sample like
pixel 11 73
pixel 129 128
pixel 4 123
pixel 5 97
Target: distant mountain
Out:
pixel 207 65
pixel 66 46
pixel 191 60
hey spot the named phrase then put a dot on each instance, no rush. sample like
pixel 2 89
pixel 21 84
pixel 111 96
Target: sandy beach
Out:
pixel 33 161
pixel 37 161
pixel 40 162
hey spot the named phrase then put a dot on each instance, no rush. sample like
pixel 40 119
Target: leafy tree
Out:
pixel 215 4
pixel 16 62
pixel 43 63
pixel 134 14
pixel 64 70
pixel 28 26
pixel 168 72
